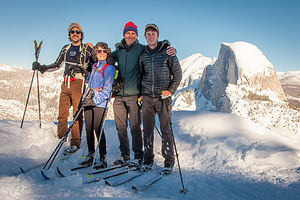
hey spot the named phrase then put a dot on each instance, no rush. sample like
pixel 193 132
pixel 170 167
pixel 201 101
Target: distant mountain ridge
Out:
pixel 246 97
pixel 290 82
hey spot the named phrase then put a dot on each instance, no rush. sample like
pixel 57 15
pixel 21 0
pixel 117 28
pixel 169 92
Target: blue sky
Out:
pixel 191 26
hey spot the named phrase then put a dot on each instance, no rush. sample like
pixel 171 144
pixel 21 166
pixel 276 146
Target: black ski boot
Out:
pixel 88 161
pixel 101 164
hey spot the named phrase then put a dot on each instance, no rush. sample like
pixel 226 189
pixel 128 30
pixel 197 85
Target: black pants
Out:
pixel 151 107
pixel 94 118
pixel 126 109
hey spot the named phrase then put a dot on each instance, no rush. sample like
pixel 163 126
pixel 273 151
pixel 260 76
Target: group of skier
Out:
pixel 147 77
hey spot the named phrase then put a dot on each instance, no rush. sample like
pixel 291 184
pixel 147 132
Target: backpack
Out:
pixel 118 82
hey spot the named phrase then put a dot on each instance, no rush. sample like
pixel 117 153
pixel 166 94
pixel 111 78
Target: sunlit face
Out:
pixel 130 37
pixel 151 38
pixel 101 54
pixel 75 35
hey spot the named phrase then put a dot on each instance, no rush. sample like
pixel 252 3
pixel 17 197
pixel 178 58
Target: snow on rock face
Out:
pixel 249 58
pixel 187 93
pixel 192 68
pixel 239 63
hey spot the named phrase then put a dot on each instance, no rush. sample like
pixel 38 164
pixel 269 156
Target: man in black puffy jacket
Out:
pixel 160 77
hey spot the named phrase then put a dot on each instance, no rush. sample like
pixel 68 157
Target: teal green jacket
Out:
pixel 128 64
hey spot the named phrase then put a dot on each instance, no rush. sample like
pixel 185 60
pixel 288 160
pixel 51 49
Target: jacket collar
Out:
pixel 161 44
pixel 122 44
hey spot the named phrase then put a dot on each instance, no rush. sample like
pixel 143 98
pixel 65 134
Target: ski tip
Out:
pixel 59 172
pixel 134 189
pixel 22 170
pixel 44 175
pixel 108 183
pixel 184 191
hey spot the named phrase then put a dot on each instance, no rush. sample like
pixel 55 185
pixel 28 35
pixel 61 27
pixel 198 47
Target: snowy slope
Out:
pixel 222 157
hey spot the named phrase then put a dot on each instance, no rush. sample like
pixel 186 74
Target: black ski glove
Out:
pixel 36 65
pixel 43 68
pixel 88 100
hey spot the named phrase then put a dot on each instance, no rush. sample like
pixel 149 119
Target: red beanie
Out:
pixel 130 26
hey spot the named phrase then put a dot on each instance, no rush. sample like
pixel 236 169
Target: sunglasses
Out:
pixel 100 51
pixel 77 32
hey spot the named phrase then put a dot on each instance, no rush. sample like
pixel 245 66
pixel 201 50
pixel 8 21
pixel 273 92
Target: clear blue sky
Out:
pixel 197 26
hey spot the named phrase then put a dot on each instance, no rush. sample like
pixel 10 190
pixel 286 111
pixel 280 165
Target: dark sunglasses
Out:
pixel 77 31
pixel 100 51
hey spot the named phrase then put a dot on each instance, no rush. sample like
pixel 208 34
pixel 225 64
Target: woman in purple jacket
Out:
pixel 100 82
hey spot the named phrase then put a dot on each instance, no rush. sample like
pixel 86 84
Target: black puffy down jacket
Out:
pixel 159 71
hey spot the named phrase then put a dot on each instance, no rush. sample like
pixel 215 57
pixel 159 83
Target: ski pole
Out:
pixel 184 190
pixel 159 133
pixel 27 98
pixel 37 52
pixel 140 106
pixel 66 135
pixel 58 147
pixel 102 127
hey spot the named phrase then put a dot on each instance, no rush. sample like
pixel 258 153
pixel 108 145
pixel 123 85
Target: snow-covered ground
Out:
pixel 222 156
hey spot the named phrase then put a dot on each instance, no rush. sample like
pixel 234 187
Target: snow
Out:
pixel 250 59
pixel 291 76
pixel 7 68
pixel 194 65
pixel 222 156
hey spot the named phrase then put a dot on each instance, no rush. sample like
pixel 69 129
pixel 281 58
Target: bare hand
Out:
pixel 90 44
pixel 171 51
pixel 165 94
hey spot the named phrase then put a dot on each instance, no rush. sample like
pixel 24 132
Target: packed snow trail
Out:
pixel 222 157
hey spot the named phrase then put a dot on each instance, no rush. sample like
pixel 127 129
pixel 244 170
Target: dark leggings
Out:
pixel 94 118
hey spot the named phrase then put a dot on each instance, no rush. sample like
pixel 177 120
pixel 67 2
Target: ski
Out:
pixel 113 167
pixel 148 182
pixel 47 174
pixel 66 172
pixel 50 173
pixel 24 169
pixel 115 181
pixel 26 166
pixel 106 176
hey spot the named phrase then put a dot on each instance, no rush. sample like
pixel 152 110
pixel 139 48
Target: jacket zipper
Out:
pixel 152 67
pixel 125 73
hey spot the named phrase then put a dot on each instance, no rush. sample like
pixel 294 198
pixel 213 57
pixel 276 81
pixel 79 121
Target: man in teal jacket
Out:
pixel 125 105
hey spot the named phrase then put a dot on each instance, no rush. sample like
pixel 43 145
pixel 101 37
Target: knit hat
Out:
pixel 75 25
pixel 152 26
pixel 130 26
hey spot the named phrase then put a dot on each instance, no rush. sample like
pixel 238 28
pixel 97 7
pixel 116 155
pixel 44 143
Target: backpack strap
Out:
pixel 103 69
pixel 66 50
pixel 83 54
